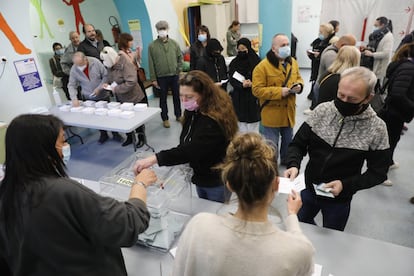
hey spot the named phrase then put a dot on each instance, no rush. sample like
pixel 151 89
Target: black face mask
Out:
pixel 349 109
pixel 242 54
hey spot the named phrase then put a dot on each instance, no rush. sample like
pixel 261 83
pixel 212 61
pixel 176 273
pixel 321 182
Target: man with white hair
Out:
pixel 165 64
pixel 90 74
pixel 339 137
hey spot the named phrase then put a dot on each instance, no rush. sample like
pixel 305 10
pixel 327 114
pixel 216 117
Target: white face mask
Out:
pixel 81 68
pixel 66 153
pixel 162 33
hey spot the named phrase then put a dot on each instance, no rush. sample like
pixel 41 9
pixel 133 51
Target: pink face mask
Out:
pixel 190 105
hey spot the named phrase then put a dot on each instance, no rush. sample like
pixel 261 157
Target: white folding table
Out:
pixel 108 123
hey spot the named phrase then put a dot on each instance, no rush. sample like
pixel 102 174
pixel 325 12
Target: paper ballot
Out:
pixel 286 186
pixel 317 271
pixel 239 77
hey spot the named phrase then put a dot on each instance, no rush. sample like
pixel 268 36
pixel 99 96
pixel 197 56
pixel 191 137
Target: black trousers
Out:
pixel 394 128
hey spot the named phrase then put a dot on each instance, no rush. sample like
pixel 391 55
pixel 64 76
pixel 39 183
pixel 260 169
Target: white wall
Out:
pixel 305 26
pixel 13 100
pixel 95 12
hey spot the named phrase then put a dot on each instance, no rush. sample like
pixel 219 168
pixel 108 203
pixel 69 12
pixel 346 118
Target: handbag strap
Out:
pixel 283 85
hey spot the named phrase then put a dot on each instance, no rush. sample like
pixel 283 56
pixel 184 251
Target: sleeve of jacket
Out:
pixel 193 55
pixel 230 40
pixel 103 72
pixel 223 69
pixel 204 140
pixel 66 62
pixel 81 48
pixel 179 58
pixel 153 76
pixel 377 164
pixel 235 83
pixel 129 75
pixel 401 93
pixel 73 84
pixel 384 52
pixel 108 221
pixel 53 67
pixel 261 89
pixel 298 148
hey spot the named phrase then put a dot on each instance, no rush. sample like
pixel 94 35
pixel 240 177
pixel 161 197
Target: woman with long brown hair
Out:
pixel 209 125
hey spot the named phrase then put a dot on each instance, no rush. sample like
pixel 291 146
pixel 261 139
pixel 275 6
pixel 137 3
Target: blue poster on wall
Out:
pixel 28 74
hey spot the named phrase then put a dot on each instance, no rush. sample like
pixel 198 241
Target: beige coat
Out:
pixel 124 73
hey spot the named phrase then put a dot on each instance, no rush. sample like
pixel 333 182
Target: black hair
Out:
pixel 334 23
pixel 386 22
pixel 205 29
pixel 31 156
pixel 56 44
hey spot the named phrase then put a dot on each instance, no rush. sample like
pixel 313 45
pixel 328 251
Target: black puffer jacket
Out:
pixel 400 99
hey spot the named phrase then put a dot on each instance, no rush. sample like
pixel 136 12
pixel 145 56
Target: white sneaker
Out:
pixel 307 111
pixel 394 166
pixel 387 183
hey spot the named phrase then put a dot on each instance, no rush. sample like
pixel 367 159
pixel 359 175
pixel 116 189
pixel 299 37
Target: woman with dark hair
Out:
pixel 399 103
pixel 246 242
pixel 100 37
pixel 213 63
pixel 240 75
pixel 377 54
pixel 52 225
pixel 125 45
pixel 326 32
pixel 209 124
pixel 198 48
pixel 60 78
pixel 233 35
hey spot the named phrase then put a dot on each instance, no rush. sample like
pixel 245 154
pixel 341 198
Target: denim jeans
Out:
pixel 334 214
pixel 273 133
pixel 219 193
pixel 165 83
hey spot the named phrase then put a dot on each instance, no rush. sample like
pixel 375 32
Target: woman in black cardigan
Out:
pixel 208 127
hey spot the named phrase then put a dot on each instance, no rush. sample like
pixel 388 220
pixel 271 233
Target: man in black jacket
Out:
pixel 90 46
pixel 339 137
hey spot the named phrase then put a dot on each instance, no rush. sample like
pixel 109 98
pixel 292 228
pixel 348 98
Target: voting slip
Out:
pixel 239 77
pixel 286 185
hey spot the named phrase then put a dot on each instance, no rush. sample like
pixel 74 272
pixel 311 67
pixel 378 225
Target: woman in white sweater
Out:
pixel 246 243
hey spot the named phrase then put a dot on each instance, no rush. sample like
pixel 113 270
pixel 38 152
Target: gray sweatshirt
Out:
pixel 90 85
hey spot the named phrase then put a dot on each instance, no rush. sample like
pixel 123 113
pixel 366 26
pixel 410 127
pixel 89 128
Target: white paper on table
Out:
pixel 286 186
pixel 239 77
pixel 317 271
pixel 173 251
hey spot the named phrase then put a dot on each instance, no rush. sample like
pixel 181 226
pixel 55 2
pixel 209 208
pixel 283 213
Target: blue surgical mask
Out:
pixel 321 37
pixel 375 28
pixel 60 52
pixel 202 37
pixel 284 52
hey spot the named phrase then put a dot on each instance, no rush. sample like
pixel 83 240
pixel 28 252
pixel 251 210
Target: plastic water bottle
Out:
pixel 56 97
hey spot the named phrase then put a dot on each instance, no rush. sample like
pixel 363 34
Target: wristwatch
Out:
pixel 140 183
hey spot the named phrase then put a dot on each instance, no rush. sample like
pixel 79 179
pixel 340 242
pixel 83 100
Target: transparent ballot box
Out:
pixel 165 225
pixel 171 182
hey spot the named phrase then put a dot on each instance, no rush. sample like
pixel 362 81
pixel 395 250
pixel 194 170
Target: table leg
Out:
pixel 134 140
pixel 73 134
pixel 144 137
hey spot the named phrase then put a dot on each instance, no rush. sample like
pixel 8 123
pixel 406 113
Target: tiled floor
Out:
pixel 382 213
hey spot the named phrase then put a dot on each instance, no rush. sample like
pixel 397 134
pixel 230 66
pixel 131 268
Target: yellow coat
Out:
pixel 267 82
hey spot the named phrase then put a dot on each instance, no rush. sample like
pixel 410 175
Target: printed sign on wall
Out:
pixel 28 74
